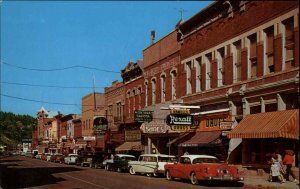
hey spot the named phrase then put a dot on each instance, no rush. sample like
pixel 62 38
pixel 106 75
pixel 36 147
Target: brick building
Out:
pixel 241 58
pixel 161 81
pixel 132 76
pixel 115 102
pixel 93 105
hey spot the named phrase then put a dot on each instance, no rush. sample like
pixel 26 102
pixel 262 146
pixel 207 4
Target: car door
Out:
pixel 181 169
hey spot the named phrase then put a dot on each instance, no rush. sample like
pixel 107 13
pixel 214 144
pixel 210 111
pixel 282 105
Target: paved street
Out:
pixel 24 172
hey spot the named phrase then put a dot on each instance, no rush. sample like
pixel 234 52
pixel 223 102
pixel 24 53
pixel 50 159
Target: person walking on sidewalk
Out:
pixel 275 172
pixel 288 160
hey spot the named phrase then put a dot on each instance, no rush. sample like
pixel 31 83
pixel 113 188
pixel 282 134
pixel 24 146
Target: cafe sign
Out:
pixel 143 116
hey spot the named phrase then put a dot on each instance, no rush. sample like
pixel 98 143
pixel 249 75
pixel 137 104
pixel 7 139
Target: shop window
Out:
pixel 198 63
pixel 253 57
pixel 289 46
pixel 269 49
pixel 188 77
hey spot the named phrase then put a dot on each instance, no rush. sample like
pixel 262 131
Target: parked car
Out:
pixel 71 159
pixel 119 163
pixel 85 158
pixel 38 156
pixel 44 156
pixel 57 158
pixel 97 159
pixel 150 164
pixel 200 168
pixel 34 153
pixel 48 157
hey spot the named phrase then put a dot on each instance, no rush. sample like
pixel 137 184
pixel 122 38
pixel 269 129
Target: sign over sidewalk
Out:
pixel 143 116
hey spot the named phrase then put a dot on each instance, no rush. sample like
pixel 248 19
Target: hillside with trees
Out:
pixel 14 128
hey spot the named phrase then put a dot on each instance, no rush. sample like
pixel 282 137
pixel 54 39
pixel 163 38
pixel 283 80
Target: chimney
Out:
pixel 152 36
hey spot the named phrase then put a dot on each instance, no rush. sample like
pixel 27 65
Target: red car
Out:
pixel 200 168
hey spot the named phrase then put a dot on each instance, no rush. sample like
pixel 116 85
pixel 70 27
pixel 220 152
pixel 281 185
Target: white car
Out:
pixel 150 164
pixel 71 159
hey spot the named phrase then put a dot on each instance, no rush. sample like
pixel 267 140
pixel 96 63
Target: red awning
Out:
pixel 179 139
pixel 204 138
pixel 279 124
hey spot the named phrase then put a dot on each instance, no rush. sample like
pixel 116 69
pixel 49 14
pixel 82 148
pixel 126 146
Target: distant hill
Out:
pixel 14 128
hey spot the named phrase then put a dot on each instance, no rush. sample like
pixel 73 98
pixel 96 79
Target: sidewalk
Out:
pixel 253 180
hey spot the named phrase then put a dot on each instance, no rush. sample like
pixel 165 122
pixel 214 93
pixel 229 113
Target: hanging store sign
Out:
pixel 226 125
pixel 132 135
pixel 179 119
pixel 157 126
pixel 89 138
pixel 100 125
pixel 143 116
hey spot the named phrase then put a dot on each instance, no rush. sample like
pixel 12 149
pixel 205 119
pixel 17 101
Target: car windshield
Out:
pixel 206 160
pixel 128 158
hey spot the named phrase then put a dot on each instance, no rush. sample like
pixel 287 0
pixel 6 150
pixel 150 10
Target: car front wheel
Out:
pixel 131 171
pixel 193 178
pixel 168 176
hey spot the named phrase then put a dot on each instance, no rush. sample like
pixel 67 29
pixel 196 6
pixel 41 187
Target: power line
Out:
pixel 49 86
pixel 40 101
pixel 58 69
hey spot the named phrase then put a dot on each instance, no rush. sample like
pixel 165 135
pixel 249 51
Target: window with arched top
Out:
pixel 153 85
pixel 188 77
pixel 146 93
pixel 173 84
pixel 163 88
pixel 128 103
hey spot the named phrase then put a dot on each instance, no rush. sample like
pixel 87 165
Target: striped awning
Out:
pixel 204 138
pixel 279 124
pixel 126 146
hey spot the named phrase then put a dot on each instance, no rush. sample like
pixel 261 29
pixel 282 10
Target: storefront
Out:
pixel 263 133
pixel 209 137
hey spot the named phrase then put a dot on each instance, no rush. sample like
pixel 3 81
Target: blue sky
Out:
pixel 52 35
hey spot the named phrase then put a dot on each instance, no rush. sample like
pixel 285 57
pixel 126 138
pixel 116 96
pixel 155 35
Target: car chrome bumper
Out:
pixel 225 178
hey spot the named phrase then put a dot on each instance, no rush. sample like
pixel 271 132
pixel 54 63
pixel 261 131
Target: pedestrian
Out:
pixel 288 160
pixel 278 158
pixel 275 172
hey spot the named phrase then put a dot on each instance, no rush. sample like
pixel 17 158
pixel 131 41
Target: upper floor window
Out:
pixel 173 80
pixel 139 100
pixel 208 61
pixel 288 42
pixel 237 61
pixel 188 77
pixel 252 54
pixel 153 82
pixel 119 111
pixel 198 63
pixel 163 87
pixel 133 103
pixel 269 48
pixel 146 93
pixel 128 102
pixel 220 54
